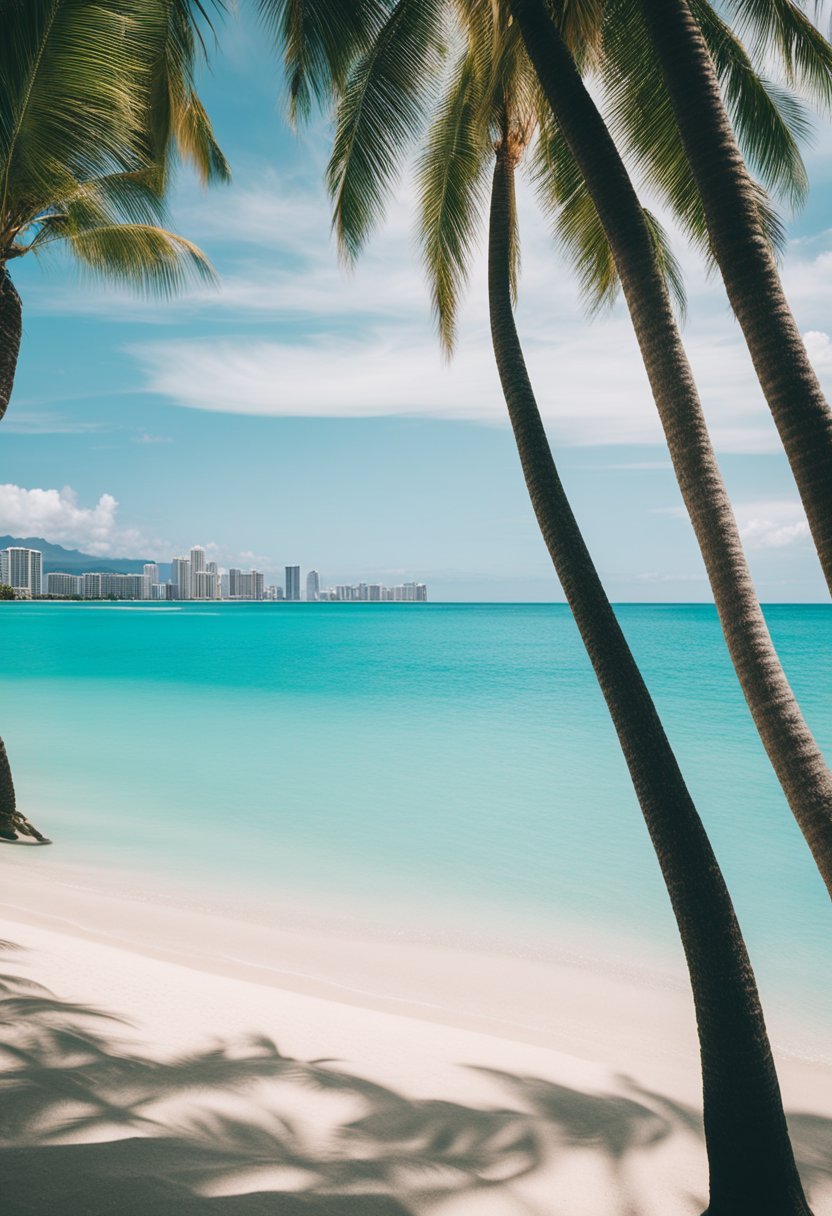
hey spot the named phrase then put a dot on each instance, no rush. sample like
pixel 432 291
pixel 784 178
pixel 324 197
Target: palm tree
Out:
pixel 800 410
pixel 97 99
pixel 413 27
pixel 790 745
pixel 490 110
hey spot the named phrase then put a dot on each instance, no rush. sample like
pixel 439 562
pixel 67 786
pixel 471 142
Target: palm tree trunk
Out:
pixel 11 820
pixel 787 378
pixel 792 750
pixel 8 806
pixel 750 1157
pixel 10 331
pixel 11 327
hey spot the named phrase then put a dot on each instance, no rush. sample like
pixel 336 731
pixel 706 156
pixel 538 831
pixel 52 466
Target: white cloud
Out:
pixel 772 524
pixel 58 517
pixel 819 346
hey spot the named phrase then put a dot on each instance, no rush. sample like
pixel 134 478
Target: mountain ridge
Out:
pixel 73 561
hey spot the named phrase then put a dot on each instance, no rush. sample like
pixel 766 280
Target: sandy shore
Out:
pixel 274 1069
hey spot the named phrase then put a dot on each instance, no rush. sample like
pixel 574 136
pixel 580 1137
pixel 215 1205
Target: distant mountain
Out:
pixel 72 561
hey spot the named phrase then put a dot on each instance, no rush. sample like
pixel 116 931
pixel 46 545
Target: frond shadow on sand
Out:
pixel 90 1126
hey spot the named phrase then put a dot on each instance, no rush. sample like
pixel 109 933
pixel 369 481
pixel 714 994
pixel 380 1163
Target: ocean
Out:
pixel 432 771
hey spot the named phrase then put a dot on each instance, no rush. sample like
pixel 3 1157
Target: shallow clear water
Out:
pixel 416 766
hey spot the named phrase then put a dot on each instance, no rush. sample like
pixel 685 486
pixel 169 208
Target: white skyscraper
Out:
pixel 150 575
pixel 292 584
pixel 313 586
pixel 197 567
pixel 23 570
pixel 180 577
pixel 216 580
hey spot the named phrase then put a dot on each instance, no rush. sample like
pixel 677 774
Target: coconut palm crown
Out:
pixel 97 102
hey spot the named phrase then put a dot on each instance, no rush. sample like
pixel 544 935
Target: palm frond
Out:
pixel 668 263
pixel 450 180
pixel 381 111
pixel 578 229
pixel 320 40
pixel 641 115
pixel 142 257
pixel 581 23
pixel 177 121
pixel 123 197
pixel 770 122
pixel 781 27
pixel 70 105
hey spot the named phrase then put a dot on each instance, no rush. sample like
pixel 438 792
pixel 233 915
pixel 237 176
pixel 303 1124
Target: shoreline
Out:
pixel 559 1001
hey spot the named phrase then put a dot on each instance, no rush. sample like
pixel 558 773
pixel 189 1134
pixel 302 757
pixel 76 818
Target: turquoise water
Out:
pixel 412 765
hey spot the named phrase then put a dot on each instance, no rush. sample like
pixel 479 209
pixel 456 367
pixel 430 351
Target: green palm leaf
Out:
pixel 177 119
pixel 578 228
pixel 451 181
pixel 768 120
pixel 781 27
pixel 70 105
pixel 140 256
pixel 320 40
pixel 381 111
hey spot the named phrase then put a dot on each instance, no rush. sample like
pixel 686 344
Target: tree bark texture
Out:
pixel 11 328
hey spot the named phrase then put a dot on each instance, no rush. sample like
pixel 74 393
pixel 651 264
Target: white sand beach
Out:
pixel 291 1070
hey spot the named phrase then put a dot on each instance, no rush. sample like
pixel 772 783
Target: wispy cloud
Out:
pixel 146 438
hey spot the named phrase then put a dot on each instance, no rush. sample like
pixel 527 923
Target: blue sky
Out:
pixel 301 413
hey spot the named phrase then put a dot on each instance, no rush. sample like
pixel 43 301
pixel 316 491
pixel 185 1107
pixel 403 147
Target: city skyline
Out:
pixel 192 579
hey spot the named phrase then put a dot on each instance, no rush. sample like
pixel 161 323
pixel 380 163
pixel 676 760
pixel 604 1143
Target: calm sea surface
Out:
pixel 424 768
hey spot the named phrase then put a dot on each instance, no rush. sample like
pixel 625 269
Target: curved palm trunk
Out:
pixel 798 406
pixel 750 1157
pixel 11 820
pixel 11 328
pixel 11 324
pixel 794 754
pixel 10 331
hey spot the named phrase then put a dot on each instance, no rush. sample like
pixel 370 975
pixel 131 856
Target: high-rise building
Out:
pixel 180 577
pixel 313 586
pixel 197 567
pixel 216 580
pixel 64 584
pixel 292 583
pixel 91 586
pixel 122 586
pixel 23 570
pixel 234 576
pixel 150 576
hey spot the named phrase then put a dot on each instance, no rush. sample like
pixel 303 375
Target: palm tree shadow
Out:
pixel 90 1126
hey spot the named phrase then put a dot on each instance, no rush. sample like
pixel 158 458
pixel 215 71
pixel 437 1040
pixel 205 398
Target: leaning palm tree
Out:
pixel 96 100
pixel 801 412
pixel 488 112
pixel 411 26
pixel 795 756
